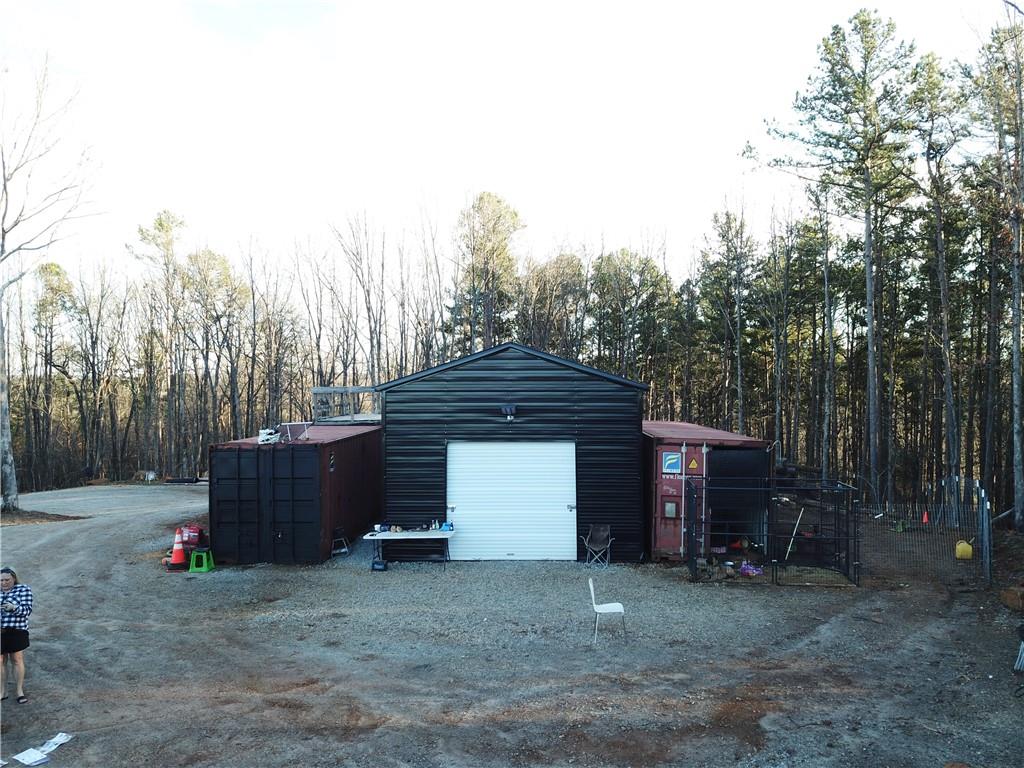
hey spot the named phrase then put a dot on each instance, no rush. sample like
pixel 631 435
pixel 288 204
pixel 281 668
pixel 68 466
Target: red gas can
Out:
pixel 191 535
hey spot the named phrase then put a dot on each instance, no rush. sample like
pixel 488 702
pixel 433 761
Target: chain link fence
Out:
pixel 794 531
pixel 947 539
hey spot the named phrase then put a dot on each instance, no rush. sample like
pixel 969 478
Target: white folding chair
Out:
pixel 605 608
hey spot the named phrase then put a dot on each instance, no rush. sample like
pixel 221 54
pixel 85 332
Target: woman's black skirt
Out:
pixel 13 640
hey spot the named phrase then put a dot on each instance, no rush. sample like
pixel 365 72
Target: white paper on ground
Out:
pixel 56 741
pixel 32 757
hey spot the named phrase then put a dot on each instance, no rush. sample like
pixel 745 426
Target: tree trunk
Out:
pixel 1018 397
pixel 1015 297
pixel 952 418
pixel 777 366
pixel 873 420
pixel 830 364
pixel 8 476
pixel 888 410
pixel 740 415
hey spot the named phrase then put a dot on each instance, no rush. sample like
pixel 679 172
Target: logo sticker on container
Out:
pixel 671 462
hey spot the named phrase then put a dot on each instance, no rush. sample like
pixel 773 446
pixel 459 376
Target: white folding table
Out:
pixel 378 537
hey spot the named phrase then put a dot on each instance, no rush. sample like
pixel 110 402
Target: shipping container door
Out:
pixel 737 492
pixel 234 505
pixel 295 505
pixel 512 501
pixel 679 487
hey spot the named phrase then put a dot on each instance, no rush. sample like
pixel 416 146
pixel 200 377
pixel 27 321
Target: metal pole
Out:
pixel 703 499
pixel 854 505
pixel 985 537
pixel 682 502
pixel 793 537
pixel 691 544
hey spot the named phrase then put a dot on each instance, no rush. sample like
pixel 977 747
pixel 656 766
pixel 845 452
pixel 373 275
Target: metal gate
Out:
pixel 786 531
pixel 815 533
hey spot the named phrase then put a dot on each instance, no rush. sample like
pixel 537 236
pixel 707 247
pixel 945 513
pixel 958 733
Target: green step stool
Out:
pixel 202 560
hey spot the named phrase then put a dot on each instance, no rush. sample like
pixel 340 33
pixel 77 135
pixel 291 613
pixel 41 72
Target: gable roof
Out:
pixel 519 348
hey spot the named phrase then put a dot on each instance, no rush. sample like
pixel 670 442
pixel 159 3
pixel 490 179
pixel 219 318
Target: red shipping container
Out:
pixel 676 453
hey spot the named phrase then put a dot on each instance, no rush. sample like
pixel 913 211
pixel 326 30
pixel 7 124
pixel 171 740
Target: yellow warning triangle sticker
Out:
pixel 692 464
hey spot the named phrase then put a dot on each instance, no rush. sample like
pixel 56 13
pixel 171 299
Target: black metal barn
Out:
pixel 522 450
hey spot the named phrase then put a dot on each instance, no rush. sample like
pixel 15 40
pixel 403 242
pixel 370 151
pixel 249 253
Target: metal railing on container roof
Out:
pixel 346 405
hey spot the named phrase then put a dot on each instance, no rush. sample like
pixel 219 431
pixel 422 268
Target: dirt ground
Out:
pixel 482 664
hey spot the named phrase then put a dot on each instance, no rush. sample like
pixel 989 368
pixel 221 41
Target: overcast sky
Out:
pixel 615 123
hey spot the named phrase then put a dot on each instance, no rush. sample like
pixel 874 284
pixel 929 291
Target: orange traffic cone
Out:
pixel 177 561
pixel 924 517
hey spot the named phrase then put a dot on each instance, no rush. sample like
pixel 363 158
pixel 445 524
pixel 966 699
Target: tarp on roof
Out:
pixel 695 434
pixel 318 433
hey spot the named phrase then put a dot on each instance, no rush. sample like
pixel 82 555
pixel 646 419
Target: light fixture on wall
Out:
pixel 508 411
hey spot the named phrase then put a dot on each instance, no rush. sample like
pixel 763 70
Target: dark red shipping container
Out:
pixel 285 502
pixel 677 452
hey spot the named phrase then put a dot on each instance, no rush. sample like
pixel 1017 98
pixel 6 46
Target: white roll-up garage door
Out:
pixel 512 501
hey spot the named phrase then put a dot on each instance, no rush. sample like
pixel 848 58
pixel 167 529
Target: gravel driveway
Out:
pixel 481 664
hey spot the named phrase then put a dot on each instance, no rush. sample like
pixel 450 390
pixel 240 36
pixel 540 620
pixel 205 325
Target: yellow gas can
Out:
pixel 964 551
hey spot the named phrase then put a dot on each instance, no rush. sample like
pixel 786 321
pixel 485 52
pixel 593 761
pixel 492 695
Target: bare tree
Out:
pixel 364 254
pixel 735 248
pixel 941 121
pixel 1017 268
pixel 89 361
pixel 434 340
pixel 485 232
pixel 1003 94
pixel 777 306
pixel 317 275
pixel 168 428
pixel 30 222
pixel 820 198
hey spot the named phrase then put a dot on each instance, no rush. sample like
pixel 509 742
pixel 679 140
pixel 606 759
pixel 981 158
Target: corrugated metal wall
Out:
pixel 265 504
pixel 353 493
pixel 553 402
pixel 280 503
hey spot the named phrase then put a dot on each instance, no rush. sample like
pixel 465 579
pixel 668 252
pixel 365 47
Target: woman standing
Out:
pixel 15 608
